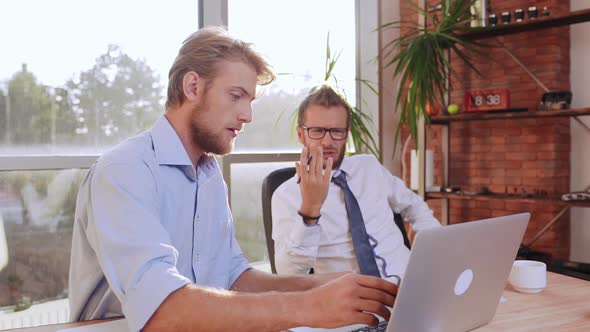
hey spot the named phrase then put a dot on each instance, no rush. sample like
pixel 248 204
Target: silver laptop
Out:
pixel 455 276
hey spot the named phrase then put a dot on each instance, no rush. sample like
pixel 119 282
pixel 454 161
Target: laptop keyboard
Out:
pixel 382 326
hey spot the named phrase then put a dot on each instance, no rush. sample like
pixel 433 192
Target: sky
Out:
pixel 293 35
pixel 58 39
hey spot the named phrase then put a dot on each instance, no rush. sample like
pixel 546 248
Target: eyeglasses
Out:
pixel 337 134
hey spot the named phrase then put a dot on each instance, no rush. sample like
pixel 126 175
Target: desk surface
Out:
pixel 563 306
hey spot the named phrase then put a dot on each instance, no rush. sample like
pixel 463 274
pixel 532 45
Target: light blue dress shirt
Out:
pixel 146 224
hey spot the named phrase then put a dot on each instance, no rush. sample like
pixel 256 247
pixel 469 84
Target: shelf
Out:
pixel 521 198
pixel 508 114
pixel 476 34
pixel 540 23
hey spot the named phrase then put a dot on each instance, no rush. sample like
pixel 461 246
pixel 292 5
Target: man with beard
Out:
pixel 337 213
pixel 154 238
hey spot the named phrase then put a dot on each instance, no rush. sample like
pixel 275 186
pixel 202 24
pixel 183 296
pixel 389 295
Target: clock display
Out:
pixel 487 100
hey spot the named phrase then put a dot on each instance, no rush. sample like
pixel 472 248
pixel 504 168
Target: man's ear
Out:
pixel 191 86
pixel 300 133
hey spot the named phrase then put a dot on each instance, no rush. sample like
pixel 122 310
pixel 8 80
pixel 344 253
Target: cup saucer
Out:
pixel 528 290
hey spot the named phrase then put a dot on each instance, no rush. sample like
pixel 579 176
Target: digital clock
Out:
pixel 487 100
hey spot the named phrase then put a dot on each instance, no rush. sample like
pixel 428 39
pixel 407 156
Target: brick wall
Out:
pixel 527 156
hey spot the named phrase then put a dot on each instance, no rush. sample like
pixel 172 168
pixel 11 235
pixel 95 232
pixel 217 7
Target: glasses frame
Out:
pixel 326 130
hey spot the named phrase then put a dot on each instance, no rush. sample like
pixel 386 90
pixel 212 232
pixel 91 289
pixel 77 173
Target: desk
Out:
pixel 563 306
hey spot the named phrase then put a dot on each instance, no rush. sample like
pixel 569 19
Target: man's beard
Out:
pixel 339 159
pixel 204 136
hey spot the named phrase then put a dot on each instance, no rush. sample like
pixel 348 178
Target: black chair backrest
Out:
pixel 269 185
pixel 399 221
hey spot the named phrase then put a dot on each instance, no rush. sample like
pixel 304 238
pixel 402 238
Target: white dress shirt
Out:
pixel 327 246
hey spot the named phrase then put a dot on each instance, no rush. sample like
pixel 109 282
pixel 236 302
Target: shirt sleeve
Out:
pixel 132 247
pixel 239 263
pixel 404 201
pixel 296 243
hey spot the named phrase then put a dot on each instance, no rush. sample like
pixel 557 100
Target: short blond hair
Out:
pixel 323 96
pixel 203 50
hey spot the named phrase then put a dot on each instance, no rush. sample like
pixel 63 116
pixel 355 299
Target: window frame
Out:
pixel 46 162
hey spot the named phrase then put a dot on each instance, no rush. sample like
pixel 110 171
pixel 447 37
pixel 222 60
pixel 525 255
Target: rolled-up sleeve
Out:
pixel 239 262
pixel 133 248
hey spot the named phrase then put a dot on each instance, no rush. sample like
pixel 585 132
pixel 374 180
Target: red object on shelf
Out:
pixel 487 100
pixel 432 110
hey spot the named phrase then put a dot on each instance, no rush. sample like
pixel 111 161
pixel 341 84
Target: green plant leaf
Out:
pixel 361 124
pixel 369 84
pixel 420 59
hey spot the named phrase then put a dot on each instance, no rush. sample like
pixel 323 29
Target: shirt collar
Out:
pixel 208 165
pixel 345 167
pixel 167 145
pixel 169 151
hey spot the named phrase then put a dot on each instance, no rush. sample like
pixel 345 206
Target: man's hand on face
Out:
pixel 314 181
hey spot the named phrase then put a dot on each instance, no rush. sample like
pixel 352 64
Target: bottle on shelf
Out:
pixel 479 13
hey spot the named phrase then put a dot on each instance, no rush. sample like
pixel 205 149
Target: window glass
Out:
pixel 293 36
pixel 246 192
pixel 36 221
pixel 79 76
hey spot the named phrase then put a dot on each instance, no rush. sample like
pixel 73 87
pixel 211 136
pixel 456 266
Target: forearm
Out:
pixel 296 244
pixel 296 253
pixel 423 221
pixel 349 299
pixel 193 308
pixel 418 213
pixel 257 281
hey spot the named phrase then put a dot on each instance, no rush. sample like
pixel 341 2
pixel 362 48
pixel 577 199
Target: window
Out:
pixel 37 216
pixel 247 205
pixel 76 78
pixel 293 35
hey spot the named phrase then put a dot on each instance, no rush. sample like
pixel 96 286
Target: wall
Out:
pixel 389 11
pixel 529 157
pixel 580 138
pixel 367 40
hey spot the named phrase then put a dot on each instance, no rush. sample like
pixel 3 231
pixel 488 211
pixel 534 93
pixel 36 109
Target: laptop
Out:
pixel 455 277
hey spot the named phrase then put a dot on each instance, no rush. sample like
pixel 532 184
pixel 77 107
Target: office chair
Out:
pixel 270 183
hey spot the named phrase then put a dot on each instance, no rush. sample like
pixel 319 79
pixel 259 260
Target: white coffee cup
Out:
pixel 528 276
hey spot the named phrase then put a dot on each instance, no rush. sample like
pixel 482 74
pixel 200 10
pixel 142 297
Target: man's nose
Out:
pixel 327 140
pixel 245 115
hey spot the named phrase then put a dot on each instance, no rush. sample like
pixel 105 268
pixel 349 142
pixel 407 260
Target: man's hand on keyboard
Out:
pixel 349 299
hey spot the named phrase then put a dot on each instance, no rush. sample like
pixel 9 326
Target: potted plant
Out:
pixel 421 60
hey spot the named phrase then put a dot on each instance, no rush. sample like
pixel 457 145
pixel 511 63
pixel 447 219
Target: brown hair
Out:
pixel 323 96
pixel 203 50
